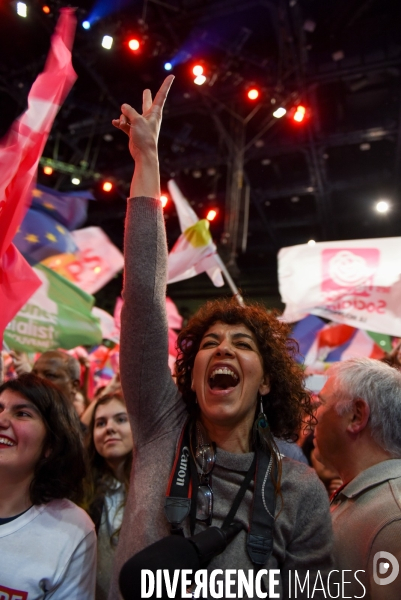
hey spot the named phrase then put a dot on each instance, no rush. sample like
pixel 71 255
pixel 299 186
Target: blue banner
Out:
pixel 68 208
pixel 40 236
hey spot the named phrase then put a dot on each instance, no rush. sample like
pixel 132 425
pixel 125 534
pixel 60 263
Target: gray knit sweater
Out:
pixel 302 535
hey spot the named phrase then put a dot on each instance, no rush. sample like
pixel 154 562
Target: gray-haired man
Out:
pixel 359 434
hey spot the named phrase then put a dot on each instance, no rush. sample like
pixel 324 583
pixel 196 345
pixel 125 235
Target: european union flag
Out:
pixel 40 236
pixel 68 208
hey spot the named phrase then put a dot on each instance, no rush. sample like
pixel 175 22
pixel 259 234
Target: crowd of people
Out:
pixel 88 483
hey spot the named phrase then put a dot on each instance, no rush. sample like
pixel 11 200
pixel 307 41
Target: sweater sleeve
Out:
pixel 153 401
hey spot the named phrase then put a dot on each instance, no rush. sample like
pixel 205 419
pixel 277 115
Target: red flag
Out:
pixel 20 151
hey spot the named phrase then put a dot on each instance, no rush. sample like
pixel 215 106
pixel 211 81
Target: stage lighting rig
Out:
pixel 299 114
pixel 107 42
pixel 200 79
pixel 22 9
pixel 134 44
pixel 253 94
pixel 198 71
pixel 279 112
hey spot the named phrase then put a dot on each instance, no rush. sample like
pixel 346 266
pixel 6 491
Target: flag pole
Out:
pixel 229 280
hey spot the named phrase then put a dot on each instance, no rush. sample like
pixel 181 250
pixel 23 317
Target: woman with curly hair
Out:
pixel 110 456
pixel 204 448
pixel 47 543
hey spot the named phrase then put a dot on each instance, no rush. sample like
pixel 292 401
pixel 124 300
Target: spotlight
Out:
pixel 46 9
pixel 75 180
pixel 163 200
pixel 383 206
pixel 279 112
pixel 211 215
pixel 21 9
pixel 168 66
pixel 311 243
pixel 299 114
pixel 86 25
pixel 107 42
pixel 47 170
pixel 200 80
pixel 107 186
pixel 253 94
pixel 197 70
pixel 134 44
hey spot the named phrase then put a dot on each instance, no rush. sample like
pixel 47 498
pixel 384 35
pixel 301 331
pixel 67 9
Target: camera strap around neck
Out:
pixel 180 499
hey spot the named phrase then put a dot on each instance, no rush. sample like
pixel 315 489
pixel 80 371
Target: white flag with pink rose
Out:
pixel 356 282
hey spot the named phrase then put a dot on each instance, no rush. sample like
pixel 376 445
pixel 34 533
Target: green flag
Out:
pixel 58 315
pixel 382 340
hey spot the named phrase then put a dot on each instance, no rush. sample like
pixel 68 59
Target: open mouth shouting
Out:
pixel 223 378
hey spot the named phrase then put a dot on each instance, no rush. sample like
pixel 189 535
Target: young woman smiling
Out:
pixel 110 455
pixel 237 386
pixel 47 543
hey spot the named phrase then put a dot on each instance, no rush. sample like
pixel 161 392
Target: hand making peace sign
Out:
pixel 143 130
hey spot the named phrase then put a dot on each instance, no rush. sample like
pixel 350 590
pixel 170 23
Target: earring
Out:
pixel 261 420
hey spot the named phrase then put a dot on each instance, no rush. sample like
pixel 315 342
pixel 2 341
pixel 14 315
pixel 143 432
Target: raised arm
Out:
pixel 151 396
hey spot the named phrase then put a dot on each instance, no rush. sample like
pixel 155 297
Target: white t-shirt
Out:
pixel 48 552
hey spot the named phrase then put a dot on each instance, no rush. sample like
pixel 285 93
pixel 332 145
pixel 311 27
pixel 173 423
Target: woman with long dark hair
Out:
pixel 110 458
pixel 204 449
pixel 47 543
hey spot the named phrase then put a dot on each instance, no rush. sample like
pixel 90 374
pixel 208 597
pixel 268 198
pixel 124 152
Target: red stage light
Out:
pixel 253 94
pixel 200 80
pixel 299 114
pixel 211 215
pixel 197 70
pixel 46 9
pixel 107 186
pixel 134 44
pixel 163 200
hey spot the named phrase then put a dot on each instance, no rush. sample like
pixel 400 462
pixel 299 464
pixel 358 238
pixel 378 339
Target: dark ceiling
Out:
pixel 275 183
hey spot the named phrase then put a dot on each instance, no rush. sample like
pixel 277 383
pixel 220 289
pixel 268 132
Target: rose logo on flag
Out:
pixel 348 268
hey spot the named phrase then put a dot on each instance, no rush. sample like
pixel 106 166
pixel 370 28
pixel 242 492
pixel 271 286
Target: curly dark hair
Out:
pixel 287 404
pixel 61 468
pixel 101 478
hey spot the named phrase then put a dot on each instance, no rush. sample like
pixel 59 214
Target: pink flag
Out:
pixel 174 320
pixel 93 265
pixel 20 151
